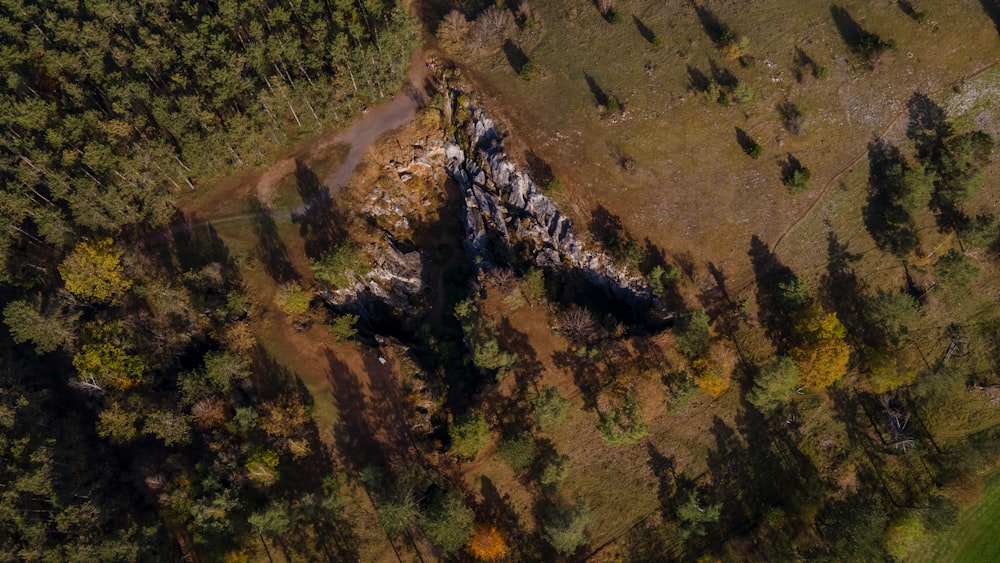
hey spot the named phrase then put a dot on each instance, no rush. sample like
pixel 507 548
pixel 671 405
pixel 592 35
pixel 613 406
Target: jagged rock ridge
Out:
pixel 503 206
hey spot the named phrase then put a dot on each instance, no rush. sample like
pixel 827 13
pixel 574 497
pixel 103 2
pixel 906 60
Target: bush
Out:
pixel 615 17
pixel 550 408
pixel 528 70
pixel 553 188
pixel 774 384
pixel 743 93
pixel 343 263
pixel 798 181
pixel 623 425
pixel 612 106
pixel 470 434
pixel 292 299
pixel 692 333
pixel 663 279
pixel 713 93
pixel 755 150
pixel 448 523
pixel 517 451
pixel 564 526
pixel 343 327
pixel 955 270
pixel 554 473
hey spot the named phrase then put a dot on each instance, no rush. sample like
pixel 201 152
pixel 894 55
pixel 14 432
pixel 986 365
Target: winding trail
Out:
pixel 850 164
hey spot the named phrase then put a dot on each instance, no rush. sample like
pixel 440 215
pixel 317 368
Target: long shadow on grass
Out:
pixel 320 221
pixel 992 9
pixel 755 465
pixel 516 56
pixel 644 30
pixel 771 275
pixel 600 96
pixel 270 248
pixel 697 79
pixel 715 29
pixel 887 219
pixel 355 432
pixel 928 124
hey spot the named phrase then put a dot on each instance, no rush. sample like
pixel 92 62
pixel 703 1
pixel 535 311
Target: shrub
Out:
pixel 517 451
pixel 798 181
pixel 448 523
pixel 528 70
pixel 341 265
pixel 776 382
pixel 615 17
pixel 623 425
pixel 343 327
pixel 550 408
pixel 743 93
pixel 612 106
pixel 554 473
pixel 692 333
pixel 564 526
pixel 292 299
pixel 470 434
pixel 755 150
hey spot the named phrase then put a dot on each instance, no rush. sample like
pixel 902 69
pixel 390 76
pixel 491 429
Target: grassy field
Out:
pixel 976 534
pixel 689 186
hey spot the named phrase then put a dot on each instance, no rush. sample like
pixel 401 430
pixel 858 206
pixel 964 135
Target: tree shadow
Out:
pixel 801 63
pixel 757 465
pixel 992 9
pixel 355 435
pixel 665 471
pixel 888 222
pixel 791 117
pixel 911 11
pixel 928 124
pixel 538 168
pixel 718 32
pixel 745 141
pixel 270 248
pixel 516 57
pixel 789 167
pixel 497 509
pixel 722 75
pixel 600 96
pixel 770 275
pixel 850 30
pixel 588 375
pixel 318 221
pixel 697 79
pixel 860 41
pixel 644 31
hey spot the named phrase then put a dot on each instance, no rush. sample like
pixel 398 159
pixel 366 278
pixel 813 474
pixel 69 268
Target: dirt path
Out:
pixel 850 164
pixel 358 138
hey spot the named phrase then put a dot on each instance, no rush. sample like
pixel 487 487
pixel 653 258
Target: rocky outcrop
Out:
pixel 504 209
pixel 393 278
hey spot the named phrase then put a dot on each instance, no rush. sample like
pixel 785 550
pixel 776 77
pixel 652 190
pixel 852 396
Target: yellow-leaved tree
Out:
pixel 93 272
pixel 487 544
pixel 714 372
pixel 105 359
pixel 821 353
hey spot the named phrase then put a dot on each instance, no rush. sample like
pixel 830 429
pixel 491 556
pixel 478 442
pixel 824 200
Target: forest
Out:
pixel 492 343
